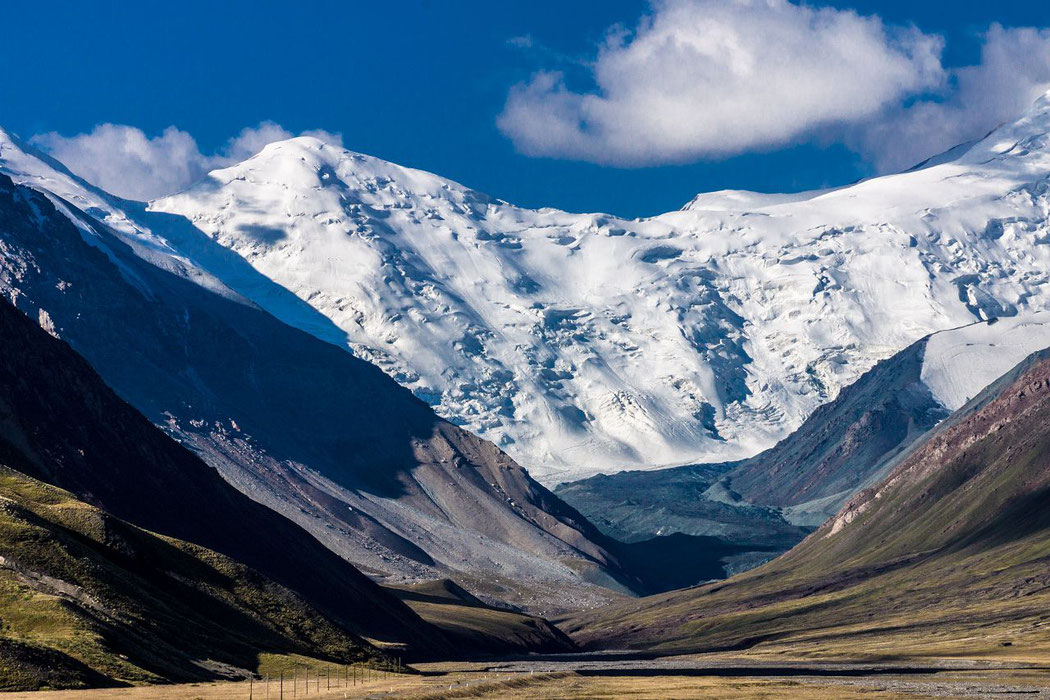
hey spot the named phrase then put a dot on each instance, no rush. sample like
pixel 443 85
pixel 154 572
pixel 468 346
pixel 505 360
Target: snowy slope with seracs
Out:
pixel 582 342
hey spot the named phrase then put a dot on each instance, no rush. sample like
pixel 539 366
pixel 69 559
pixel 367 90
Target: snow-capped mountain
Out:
pixel 583 342
pixel 958 364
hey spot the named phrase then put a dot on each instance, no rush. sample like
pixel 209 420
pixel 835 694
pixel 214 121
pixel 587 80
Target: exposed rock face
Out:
pixel 844 444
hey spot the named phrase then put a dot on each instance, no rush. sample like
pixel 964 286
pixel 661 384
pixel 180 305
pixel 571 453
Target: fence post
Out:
pixel 251 684
pixel 282 685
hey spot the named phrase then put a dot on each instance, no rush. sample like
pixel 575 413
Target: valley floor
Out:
pixel 630 676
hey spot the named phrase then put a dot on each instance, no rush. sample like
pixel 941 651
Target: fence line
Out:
pixel 351 676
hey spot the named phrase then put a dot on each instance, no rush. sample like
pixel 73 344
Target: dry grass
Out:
pixel 551 686
pixel 572 686
pixel 466 681
pixel 380 682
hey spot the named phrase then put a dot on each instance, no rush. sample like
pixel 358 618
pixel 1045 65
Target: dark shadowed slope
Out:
pixel 949 554
pixel 296 423
pixel 61 424
pixel 470 623
pixel 87 599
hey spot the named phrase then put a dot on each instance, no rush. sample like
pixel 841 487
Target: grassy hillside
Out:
pixel 949 555
pixel 87 599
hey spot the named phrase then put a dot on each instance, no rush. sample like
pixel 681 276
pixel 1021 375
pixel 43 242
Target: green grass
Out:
pixel 87 599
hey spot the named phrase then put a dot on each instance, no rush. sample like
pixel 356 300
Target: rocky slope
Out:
pixel 294 422
pixel 583 343
pixel 61 424
pixel 949 552
pixel 852 442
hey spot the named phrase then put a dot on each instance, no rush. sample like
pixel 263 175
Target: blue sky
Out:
pixel 422 83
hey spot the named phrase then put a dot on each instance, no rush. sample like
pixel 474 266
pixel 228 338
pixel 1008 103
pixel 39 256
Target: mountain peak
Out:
pixel 308 164
pixel 584 342
pixel 301 146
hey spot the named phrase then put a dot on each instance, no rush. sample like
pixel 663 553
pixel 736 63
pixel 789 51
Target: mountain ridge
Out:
pixel 61 424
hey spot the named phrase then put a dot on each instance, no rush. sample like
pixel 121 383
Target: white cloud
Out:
pixel 1013 72
pixel 709 78
pixel 252 140
pixel 124 161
